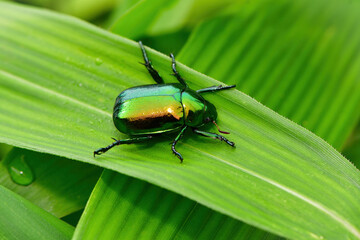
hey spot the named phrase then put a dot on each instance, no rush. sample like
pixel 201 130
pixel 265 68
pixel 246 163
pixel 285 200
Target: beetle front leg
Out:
pixel 214 88
pixel 176 73
pixel 213 136
pixel 154 74
pixel 174 143
pixel 119 142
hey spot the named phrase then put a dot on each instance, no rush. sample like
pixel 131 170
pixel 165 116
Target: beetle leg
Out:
pixel 174 143
pixel 176 73
pixel 214 88
pixel 214 136
pixel 154 74
pixel 119 142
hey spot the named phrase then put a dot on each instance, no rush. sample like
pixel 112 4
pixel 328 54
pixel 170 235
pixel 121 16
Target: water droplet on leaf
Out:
pixel 98 61
pixel 20 172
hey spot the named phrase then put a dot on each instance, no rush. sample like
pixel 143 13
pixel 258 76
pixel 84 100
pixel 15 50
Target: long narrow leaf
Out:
pixel 122 207
pixel 20 219
pixel 154 17
pixel 57 91
pixel 60 186
pixel 144 16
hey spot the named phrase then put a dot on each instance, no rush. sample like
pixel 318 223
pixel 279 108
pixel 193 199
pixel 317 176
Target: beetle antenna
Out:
pixel 219 128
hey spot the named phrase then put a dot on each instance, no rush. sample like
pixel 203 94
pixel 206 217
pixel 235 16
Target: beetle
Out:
pixel 148 110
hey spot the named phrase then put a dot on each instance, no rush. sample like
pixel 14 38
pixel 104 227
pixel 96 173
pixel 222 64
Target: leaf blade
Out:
pixel 61 186
pixel 123 207
pixel 20 219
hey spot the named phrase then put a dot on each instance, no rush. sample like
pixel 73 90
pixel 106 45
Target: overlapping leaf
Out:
pixel 124 207
pixel 58 88
pixel 20 219
pixel 144 16
pixel 60 186
pixel 134 19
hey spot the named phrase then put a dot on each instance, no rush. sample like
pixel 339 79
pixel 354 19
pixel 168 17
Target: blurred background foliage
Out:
pixel 300 58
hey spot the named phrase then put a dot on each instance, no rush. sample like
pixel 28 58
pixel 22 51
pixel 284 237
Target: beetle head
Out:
pixel 210 113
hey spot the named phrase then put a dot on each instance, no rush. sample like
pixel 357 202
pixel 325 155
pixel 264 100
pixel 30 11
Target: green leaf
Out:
pixel 167 43
pixel 283 53
pixel 61 186
pixel 127 208
pixel 58 89
pixel 119 10
pixel 162 17
pixel 85 9
pixel 141 18
pixel 20 219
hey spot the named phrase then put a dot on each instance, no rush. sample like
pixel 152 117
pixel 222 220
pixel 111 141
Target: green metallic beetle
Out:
pixel 148 110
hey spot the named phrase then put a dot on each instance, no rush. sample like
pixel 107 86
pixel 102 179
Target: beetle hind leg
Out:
pixel 119 142
pixel 213 136
pixel 154 74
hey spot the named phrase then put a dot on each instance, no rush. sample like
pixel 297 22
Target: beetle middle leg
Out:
pixel 214 88
pixel 176 73
pixel 174 143
pixel 119 142
pixel 154 74
pixel 214 136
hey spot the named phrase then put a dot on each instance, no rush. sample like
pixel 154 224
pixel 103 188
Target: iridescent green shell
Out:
pixel 159 108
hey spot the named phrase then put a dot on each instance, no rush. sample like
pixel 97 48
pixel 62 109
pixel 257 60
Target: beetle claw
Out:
pixel 102 150
pixel 178 155
pixel 231 143
pixel 98 152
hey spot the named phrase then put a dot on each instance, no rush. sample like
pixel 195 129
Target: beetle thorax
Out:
pixel 196 109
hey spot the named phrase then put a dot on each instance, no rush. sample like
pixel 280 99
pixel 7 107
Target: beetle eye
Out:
pixel 207 119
